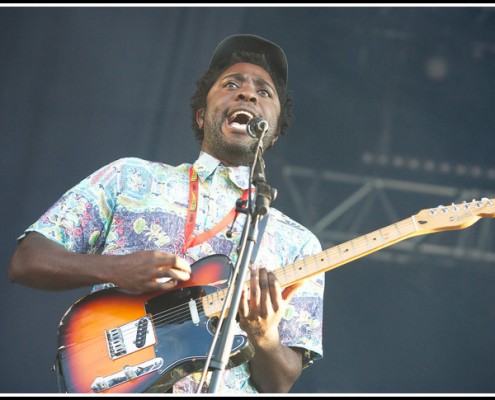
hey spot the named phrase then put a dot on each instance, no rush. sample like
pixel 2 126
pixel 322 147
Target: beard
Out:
pixel 227 151
pixel 232 152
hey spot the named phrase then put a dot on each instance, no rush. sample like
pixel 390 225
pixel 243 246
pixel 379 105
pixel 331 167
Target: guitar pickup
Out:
pixel 127 374
pixel 131 337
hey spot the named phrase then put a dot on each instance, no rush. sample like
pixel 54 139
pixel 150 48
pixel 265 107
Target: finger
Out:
pixel 173 274
pixel 243 304
pixel 182 264
pixel 265 300
pixel 254 296
pixel 275 291
pixel 178 269
pixel 171 261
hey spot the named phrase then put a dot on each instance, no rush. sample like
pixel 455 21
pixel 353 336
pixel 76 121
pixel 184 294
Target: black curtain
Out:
pixel 82 86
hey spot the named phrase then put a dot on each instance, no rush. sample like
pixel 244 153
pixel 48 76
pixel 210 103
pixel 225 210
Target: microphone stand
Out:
pixel 264 195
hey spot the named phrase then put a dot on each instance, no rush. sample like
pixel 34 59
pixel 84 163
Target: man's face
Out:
pixel 241 92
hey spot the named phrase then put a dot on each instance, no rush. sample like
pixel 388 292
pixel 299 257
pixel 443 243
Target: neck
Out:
pixel 227 161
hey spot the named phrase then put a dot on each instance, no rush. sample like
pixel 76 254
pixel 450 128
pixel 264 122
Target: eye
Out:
pixel 231 85
pixel 265 93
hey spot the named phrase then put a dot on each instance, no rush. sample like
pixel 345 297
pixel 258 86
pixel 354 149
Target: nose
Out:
pixel 247 94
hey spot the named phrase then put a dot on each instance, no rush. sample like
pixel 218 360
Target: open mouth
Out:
pixel 239 119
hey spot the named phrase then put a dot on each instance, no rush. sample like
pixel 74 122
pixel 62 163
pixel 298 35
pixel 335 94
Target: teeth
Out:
pixel 237 113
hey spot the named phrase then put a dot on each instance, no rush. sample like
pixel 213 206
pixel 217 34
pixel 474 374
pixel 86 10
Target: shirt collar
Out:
pixel 206 165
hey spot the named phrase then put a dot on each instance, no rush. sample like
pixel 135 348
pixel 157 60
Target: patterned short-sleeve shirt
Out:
pixel 133 204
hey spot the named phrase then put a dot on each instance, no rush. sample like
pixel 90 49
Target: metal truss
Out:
pixel 339 207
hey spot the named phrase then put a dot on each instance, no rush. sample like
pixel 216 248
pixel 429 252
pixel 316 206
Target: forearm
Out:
pixel 40 263
pixel 274 367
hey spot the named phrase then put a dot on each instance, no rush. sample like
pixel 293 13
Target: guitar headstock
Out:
pixel 455 216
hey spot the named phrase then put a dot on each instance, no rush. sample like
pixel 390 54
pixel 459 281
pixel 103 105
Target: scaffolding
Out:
pixel 339 207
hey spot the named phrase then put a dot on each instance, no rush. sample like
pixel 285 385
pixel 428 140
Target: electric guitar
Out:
pixel 114 342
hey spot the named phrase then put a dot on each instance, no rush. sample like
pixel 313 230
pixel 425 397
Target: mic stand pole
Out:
pixel 264 195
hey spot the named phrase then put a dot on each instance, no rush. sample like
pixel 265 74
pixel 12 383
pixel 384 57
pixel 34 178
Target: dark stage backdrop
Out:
pixel 398 101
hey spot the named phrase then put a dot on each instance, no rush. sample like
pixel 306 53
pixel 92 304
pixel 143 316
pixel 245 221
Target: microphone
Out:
pixel 256 127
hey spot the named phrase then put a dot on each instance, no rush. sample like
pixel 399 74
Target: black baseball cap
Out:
pixel 253 43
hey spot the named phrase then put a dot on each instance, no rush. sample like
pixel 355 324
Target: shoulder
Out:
pixel 287 228
pixel 280 218
pixel 135 166
pixel 136 162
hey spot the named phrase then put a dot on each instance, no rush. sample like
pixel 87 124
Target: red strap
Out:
pixel 193 240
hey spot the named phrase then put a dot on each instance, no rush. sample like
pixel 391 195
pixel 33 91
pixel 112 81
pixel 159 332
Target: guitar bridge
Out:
pixel 127 374
pixel 131 337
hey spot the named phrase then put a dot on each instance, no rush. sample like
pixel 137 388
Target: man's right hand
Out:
pixel 41 263
pixel 149 270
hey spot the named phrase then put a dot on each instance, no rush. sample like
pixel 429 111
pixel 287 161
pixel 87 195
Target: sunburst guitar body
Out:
pixel 112 341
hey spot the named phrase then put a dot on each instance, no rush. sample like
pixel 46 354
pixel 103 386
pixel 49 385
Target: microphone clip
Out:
pixel 240 207
pixel 257 127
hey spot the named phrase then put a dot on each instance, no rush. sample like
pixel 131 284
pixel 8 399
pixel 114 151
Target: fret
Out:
pixel 425 222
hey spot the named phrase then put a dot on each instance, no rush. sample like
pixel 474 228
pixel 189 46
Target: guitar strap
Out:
pixel 191 240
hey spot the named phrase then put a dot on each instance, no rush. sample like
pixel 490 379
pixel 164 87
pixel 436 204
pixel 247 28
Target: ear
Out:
pixel 274 140
pixel 200 114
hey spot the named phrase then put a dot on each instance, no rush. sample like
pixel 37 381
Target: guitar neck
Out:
pixel 348 251
pixel 456 216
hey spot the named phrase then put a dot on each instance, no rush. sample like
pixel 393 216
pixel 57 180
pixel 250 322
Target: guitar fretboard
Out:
pixel 329 259
pixel 456 216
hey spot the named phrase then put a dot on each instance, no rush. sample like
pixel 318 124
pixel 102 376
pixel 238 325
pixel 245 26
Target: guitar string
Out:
pixel 353 246
pixel 180 312
pixel 177 314
pixel 342 251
